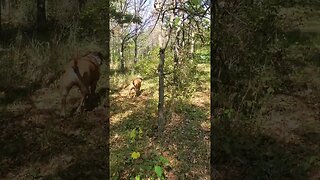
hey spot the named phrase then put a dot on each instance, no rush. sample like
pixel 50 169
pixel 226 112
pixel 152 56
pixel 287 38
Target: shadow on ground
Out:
pixel 36 143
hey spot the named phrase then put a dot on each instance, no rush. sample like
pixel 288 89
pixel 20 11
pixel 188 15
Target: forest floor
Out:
pixel 286 144
pixel 37 144
pixel 293 117
pixel 182 151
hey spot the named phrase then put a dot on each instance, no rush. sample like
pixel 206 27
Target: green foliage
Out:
pixel 134 133
pixel 146 167
pixel 158 170
pixel 247 51
pixel 135 155
pixel 148 67
pixel 93 19
pixel 258 57
pixel 122 18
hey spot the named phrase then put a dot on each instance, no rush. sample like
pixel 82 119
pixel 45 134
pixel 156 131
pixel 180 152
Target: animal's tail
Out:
pixel 76 70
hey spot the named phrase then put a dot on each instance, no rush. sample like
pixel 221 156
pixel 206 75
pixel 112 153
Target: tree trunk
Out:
pixel 135 40
pixel 81 5
pixel 176 47
pixel 122 63
pixel 161 118
pixel 6 12
pixel 176 63
pixel 192 45
pixel 41 15
pixel 183 32
pixel 107 102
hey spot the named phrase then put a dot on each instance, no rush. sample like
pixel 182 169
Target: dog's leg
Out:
pixel 65 92
pixel 84 93
pixel 93 88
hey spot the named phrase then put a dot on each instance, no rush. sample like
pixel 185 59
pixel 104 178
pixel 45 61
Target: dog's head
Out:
pixel 98 56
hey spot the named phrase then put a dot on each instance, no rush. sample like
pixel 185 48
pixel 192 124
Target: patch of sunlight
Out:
pixel 116 139
pixel 206 126
pixel 201 99
pixel 149 84
pixel 199 171
pixel 203 67
pixel 117 118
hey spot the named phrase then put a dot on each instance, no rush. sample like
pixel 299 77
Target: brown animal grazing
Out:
pixel 135 87
pixel 84 73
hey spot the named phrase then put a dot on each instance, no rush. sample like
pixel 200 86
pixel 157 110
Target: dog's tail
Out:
pixel 76 69
pixel 77 72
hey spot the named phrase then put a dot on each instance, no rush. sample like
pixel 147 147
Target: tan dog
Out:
pixel 84 73
pixel 135 87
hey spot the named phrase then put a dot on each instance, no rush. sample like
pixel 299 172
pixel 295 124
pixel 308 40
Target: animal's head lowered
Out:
pixel 99 57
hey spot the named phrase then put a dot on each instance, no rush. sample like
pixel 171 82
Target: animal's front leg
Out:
pixel 84 93
pixel 80 107
pixel 93 88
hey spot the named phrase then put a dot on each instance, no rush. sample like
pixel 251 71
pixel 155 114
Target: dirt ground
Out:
pixel 294 118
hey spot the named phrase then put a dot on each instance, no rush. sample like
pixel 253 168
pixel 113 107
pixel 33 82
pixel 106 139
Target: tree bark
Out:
pixel 41 15
pixel 176 48
pixel 7 9
pixel 192 45
pixel 107 102
pixel 161 118
pixel 81 4
pixel 122 63
pixel 135 40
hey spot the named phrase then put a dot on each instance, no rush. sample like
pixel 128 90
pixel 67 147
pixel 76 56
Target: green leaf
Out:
pixel 164 160
pixel 140 132
pixel 133 135
pixel 158 171
pixel 135 155
pixel 137 177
